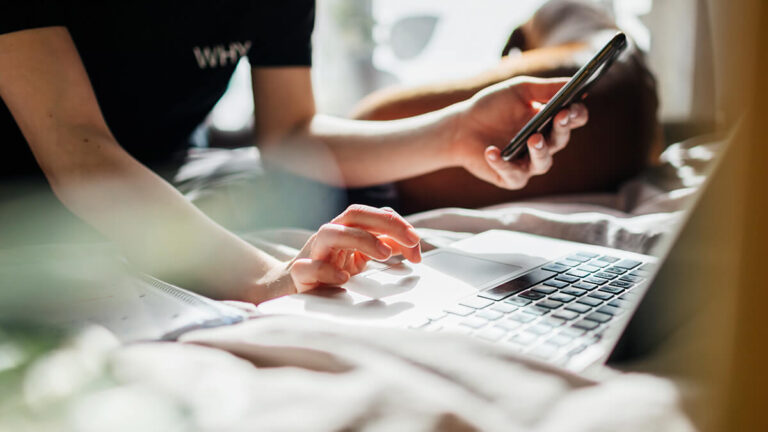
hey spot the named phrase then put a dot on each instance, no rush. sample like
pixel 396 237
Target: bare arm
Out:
pixel 46 88
pixel 356 153
pixel 340 151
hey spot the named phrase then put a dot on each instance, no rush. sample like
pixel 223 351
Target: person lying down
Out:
pixel 72 85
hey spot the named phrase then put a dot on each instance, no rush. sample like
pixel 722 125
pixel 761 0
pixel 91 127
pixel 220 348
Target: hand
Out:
pixel 490 119
pixel 342 247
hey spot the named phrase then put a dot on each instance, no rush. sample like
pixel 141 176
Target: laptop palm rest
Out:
pixel 470 270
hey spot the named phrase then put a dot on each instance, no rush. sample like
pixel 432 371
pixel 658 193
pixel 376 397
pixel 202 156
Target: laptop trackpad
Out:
pixel 473 271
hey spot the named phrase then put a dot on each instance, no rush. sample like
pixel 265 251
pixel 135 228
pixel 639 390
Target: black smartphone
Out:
pixel 571 91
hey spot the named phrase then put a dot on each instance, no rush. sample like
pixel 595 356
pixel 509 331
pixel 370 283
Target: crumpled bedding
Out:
pixel 281 373
pixel 296 374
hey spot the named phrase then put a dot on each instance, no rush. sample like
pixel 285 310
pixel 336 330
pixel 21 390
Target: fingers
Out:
pixel 566 120
pixel 412 254
pixel 307 274
pixel 333 237
pixel 540 155
pixel 379 221
pixel 344 246
pixel 508 175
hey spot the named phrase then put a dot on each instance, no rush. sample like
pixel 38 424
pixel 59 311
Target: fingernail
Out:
pixel 412 236
pixel 573 114
pixel 538 142
pixel 384 249
pixel 341 276
pixel 493 156
pixel 564 121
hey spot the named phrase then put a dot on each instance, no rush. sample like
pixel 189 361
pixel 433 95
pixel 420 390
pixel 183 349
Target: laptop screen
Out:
pixel 674 296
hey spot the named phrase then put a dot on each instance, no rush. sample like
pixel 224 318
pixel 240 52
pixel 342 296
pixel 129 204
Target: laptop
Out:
pixel 559 302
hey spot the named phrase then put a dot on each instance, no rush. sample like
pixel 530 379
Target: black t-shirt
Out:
pixel 158 66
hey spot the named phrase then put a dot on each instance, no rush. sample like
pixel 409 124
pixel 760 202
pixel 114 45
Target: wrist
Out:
pixel 452 141
pixel 276 282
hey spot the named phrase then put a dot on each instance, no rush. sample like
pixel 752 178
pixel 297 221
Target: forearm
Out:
pixel 153 223
pixel 355 153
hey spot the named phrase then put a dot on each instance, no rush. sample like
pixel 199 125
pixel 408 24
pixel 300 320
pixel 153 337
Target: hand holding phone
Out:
pixel 571 92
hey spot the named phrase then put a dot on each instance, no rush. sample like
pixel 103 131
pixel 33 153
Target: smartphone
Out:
pixel 571 92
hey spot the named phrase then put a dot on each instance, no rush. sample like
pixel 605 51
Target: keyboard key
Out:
pixel 590 301
pixel 539 329
pixel 598 263
pixel 589 268
pixel 544 351
pixel 564 314
pixel 489 315
pixel 565 298
pixel 524 338
pixel 601 295
pixel 560 340
pixel 522 317
pixel 460 310
pixel 532 295
pixel 436 315
pixel 599 317
pixel 556 268
pixel 549 304
pixel 615 270
pixel 419 323
pixel 578 350
pixel 573 291
pixel 586 325
pixel 517 301
pixel 556 283
pixel 584 285
pixel 623 304
pixel 572 332
pixel 629 296
pixel 578 258
pixel 627 264
pixel 474 323
pixel 629 278
pixel 641 273
pixel 578 273
pixel 577 307
pixel 589 255
pixel 596 281
pixel 544 289
pixel 518 284
pixel 608 258
pixel 536 310
pixel 508 325
pixel 491 334
pixel 612 289
pixel 610 310
pixel 605 275
pixel 504 308
pixel 621 284
pixel 552 321
pixel 567 263
pixel 433 327
pixel 476 303
pixel 567 278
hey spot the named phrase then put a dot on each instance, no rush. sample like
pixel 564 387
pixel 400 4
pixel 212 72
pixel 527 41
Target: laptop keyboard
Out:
pixel 554 311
